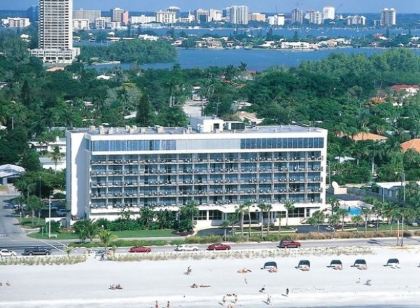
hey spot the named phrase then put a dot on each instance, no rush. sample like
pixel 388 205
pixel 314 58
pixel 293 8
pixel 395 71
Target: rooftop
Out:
pixel 133 130
pixel 413 144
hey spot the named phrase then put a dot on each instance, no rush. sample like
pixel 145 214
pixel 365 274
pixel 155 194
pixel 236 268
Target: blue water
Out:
pixel 256 59
pixel 287 32
pixel 355 211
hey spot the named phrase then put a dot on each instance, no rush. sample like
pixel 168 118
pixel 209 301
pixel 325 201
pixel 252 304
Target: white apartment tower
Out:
pixel 388 17
pixel 216 164
pixel 297 16
pixel 328 13
pixel 55 31
pixel 238 14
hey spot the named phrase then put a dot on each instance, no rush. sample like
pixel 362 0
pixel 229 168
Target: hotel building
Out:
pixel 218 165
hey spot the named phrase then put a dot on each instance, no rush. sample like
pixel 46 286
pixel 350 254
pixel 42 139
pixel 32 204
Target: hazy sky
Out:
pixel 402 6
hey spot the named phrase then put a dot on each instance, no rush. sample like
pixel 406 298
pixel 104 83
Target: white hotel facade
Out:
pixel 218 165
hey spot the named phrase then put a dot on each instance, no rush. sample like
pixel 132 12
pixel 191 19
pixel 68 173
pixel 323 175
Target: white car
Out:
pixel 7 253
pixel 186 248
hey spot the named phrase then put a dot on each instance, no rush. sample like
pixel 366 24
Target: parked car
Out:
pixel 393 262
pixel 360 264
pixel 218 246
pixel 304 265
pixel 289 244
pixel 36 251
pixel 270 265
pixel 186 248
pixel 7 253
pixel 336 264
pixel 140 249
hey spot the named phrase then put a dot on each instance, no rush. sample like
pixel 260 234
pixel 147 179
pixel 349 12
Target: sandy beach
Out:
pixel 145 282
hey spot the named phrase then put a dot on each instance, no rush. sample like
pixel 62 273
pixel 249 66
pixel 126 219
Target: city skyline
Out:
pixel 356 6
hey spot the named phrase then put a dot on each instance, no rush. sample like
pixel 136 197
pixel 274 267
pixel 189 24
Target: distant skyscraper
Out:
pixel 55 33
pixel 201 16
pixel 356 20
pixel 297 16
pixel 166 17
pixel 92 15
pixel 116 14
pixel 328 13
pixel 175 10
pixel 238 14
pixel 315 17
pixel 215 15
pixel 388 17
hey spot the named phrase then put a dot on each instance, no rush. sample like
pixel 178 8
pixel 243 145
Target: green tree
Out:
pixel 34 204
pixel 106 237
pixel 342 213
pixel 358 219
pixel 56 156
pixel 290 206
pixel 316 219
pixel 144 114
pixel 186 216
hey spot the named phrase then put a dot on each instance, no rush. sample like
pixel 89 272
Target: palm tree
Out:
pixel 34 204
pixel 342 213
pixel 241 210
pixel 269 207
pixel 248 211
pixel 265 208
pixel 317 218
pixel 357 220
pixel 225 225
pixel 290 206
pixel 106 238
pixel 56 156
pixel 365 212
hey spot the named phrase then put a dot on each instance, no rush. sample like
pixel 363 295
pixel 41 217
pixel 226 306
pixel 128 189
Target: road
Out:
pixel 11 234
pixel 13 237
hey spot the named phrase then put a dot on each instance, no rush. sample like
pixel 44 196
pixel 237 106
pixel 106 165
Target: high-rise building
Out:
pixel 202 16
pixel 259 17
pixel 315 17
pixel 328 13
pixel 117 14
pixel 356 20
pixel 215 15
pixel 176 10
pixel 297 16
pixel 388 17
pixel 166 17
pixel 91 15
pixel 238 14
pixel 218 165
pixel 55 32
pixel 276 20
pixel 81 24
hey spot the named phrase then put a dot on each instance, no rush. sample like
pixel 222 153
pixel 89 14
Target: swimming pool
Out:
pixel 354 211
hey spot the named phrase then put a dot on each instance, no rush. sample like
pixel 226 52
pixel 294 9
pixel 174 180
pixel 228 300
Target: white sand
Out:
pixel 86 285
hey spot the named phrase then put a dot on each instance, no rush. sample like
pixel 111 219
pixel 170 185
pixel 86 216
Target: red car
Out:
pixel 218 247
pixel 140 249
pixel 289 244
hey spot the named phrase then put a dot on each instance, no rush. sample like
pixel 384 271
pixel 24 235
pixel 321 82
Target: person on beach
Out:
pixel 168 304
pixel 262 290
pixel 268 301
pixel 287 292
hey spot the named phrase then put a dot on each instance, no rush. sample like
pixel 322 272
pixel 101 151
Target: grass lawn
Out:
pixel 143 233
pixel 27 222
pixel 118 234
pixel 60 236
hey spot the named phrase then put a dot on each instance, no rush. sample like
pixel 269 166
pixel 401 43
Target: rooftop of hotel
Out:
pixel 133 130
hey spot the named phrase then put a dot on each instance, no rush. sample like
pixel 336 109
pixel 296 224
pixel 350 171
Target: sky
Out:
pixel 281 6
